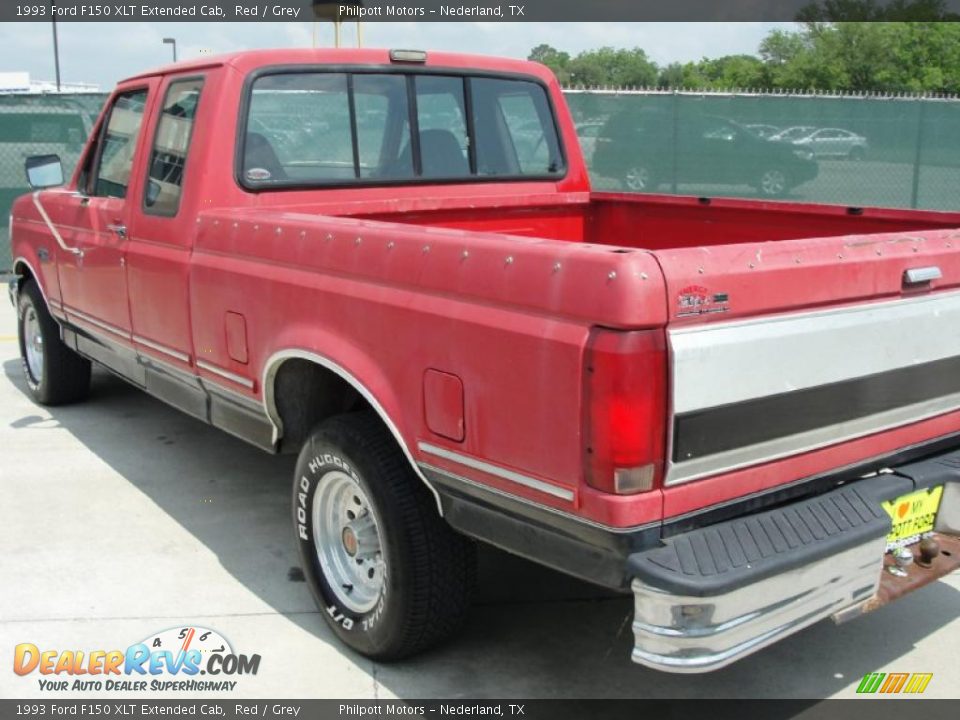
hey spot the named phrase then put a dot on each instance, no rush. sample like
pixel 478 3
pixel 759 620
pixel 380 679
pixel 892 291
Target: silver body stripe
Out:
pixel 176 354
pixel 679 472
pixel 546 508
pixel 727 363
pixel 497 471
pixel 724 363
pixel 232 377
pixel 112 329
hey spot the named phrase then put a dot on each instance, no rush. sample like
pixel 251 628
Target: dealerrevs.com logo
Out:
pixel 188 659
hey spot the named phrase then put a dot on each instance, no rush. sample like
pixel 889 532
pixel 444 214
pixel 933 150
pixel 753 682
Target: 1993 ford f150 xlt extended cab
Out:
pixel 392 264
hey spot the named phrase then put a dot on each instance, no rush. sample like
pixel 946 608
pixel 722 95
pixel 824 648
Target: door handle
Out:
pixel 120 229
pixel 921 275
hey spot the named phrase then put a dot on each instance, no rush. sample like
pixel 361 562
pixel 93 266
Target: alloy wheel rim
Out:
pixel 638 178
pixel 33 343
pixel 347 541
pixel 773 182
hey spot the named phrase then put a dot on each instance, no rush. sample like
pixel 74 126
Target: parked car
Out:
pixel 792 133
pixel 729 409
pixel 834 142
pixel 640 149
pixel 587 133
pixel 764 131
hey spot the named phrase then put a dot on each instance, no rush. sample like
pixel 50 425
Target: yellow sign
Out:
pixel 913 514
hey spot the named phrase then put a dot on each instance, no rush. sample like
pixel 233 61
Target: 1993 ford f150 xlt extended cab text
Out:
pixel 392 264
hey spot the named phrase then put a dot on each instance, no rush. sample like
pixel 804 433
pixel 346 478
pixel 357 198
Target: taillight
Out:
pixel 625 410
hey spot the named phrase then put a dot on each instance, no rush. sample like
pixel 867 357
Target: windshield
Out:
pixel 327 128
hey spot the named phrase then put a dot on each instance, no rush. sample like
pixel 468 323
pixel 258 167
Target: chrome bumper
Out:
pixel 717 594
pixel 685 634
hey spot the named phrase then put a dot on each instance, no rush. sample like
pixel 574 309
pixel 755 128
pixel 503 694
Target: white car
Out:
pixel 792 134
pixel 834 142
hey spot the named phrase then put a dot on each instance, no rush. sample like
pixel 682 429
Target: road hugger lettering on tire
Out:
pixel 302 509
pixel 389 575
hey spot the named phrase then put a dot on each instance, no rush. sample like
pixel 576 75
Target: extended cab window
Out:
pixel 168 158
pixel 118 144
pixel 515 135
pixel 311 128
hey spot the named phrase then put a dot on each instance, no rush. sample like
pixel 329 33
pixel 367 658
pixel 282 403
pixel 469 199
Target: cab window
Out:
pixel 118 143
pixel 313 128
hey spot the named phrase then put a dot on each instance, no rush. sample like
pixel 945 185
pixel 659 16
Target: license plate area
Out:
pixel 912 515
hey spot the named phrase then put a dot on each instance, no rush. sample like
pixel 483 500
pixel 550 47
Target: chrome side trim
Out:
pixel 461 480
pixel 232 377
pixel 50 226
pixel 170 352
pixel 686 634
pixel 112 329
pixel 497 471
pixel 273 364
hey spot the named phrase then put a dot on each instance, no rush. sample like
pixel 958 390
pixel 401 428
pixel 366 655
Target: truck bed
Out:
pixel 660 222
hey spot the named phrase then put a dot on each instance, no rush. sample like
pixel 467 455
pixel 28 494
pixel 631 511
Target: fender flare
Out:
pixel 272 366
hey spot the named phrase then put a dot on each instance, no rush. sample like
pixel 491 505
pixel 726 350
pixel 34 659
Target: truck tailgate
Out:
pixel 781 348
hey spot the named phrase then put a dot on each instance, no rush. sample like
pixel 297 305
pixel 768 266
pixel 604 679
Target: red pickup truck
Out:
pixel 391 262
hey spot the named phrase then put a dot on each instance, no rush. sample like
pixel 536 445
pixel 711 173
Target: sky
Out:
pixel 103 53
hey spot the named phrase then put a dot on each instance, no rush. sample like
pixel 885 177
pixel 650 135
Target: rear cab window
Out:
pixel 314 128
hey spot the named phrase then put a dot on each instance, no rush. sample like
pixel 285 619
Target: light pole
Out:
pixel 56 45
pixel 173 42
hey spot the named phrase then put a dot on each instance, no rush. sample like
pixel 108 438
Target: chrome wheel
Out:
pixel 347 540
pixel 773 182
pixel 639 179
pixel 33 344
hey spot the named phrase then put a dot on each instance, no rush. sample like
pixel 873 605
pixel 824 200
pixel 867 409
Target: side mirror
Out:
pixel 44 171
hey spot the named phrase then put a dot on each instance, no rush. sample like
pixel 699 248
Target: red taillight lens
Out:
pixel 626 410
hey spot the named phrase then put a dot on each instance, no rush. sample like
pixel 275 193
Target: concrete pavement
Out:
pixel 122 517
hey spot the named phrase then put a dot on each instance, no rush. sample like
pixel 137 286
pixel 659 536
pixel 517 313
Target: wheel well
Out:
pixel 304 394
pixel 23 273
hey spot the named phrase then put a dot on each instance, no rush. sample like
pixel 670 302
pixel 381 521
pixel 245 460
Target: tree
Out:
pixel 554 59
pixel 821 54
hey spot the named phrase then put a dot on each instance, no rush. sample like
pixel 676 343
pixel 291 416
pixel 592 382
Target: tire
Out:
pixel 856 154
pixel 773 182
pixel 640 178
pixel 55 374
pixel 393 578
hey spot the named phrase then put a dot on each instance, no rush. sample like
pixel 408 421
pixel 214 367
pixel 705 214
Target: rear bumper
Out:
pixel 716 594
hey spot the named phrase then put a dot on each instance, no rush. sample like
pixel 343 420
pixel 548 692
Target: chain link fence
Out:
pixel 857 150
pixel 39 125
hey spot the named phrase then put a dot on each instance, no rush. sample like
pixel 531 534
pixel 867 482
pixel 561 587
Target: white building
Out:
pixel 20 83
